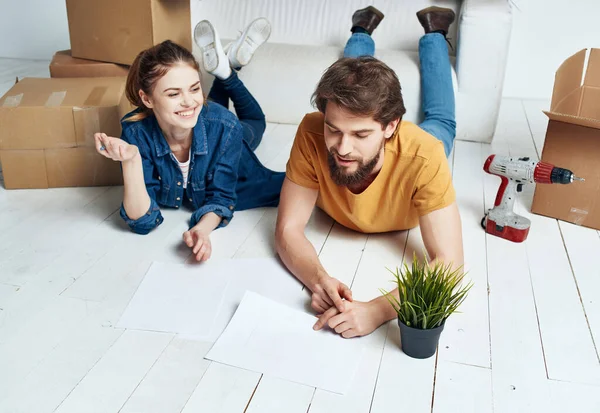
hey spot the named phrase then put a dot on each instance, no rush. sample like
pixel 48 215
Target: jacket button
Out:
pixel 225 222
pixel 159 178
pixel 231 207
pixel 179 199
pixel 191 200
pixel 178 183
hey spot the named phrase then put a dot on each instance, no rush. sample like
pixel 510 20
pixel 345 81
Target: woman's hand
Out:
pixel 114 148
pixel 199 241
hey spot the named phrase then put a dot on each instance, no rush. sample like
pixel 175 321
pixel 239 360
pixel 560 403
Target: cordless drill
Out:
pixel 515 172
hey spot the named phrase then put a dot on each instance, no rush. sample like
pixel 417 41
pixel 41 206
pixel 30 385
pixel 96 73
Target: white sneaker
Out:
pixel 242 50
pixel 214 58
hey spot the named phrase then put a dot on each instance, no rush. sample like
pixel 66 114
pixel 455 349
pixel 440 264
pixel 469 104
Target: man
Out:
pixel 369 170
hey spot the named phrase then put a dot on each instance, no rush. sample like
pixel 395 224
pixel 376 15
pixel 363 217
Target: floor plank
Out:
pixel 21 352
pixel 462 388
pixel 275 395
pixel 172 380
pixel 518 365
pixel 466 336
pixel 583 245
pixel 111 381
pixel 223 389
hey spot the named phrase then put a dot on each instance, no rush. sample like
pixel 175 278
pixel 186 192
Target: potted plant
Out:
pixel 428 295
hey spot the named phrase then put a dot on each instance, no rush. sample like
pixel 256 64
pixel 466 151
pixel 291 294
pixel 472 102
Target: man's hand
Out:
pixel 358 319
pixel 330 292
pixel 199 241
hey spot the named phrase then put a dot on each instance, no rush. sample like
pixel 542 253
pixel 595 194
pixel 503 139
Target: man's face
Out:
pixel 354 144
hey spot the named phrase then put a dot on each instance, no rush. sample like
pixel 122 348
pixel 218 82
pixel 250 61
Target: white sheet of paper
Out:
pixel 271 338
pixel 177 298
pixel 265 276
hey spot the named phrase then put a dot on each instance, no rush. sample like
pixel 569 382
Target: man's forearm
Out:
pixel 386 310
pixel 300 257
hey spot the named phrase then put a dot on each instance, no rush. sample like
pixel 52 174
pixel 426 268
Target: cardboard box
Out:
pixel 47 133
pixel 61 113
pixel 53 168
pixel 64 65
pixel 117 31
pixel 573 142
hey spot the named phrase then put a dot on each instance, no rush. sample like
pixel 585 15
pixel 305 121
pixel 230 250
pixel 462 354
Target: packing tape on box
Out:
pixel 56 99
pixel 87 123
pixel 95 97
pixel 12 101
pixel 577 216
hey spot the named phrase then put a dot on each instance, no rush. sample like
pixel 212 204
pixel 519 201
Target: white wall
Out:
pixel 545 32
pixel 33 29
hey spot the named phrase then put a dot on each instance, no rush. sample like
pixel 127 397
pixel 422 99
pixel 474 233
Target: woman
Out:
pixel 178 149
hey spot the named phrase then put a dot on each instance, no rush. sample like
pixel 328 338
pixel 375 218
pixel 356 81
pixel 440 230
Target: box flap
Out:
pixel 590 103
pixel 568 78
pixel 570 104
pixel 592 76
pixel 575 120
pixel 80 92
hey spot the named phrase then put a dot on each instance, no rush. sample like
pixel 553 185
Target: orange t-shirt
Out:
pixel 415 179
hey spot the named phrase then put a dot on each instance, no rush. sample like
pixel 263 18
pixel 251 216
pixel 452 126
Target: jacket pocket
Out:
pixel 163 196
pixel 198 192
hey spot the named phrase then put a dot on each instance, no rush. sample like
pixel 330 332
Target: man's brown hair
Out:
pixel 363 86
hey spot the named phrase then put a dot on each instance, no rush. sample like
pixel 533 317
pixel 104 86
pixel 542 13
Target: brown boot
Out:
pixel 436 19
pixel 367 19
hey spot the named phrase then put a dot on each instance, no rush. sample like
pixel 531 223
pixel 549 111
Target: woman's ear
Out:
pixel 146 100
pixel 391 128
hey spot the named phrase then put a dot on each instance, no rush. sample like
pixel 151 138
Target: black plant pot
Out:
pixel 417 343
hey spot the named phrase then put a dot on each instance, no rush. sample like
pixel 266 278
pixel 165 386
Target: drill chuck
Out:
pixel 563 176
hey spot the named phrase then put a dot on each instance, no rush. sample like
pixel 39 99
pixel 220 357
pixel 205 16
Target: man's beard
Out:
pixel 362 172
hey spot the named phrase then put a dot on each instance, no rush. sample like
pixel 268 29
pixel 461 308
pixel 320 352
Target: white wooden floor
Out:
pixel 526 340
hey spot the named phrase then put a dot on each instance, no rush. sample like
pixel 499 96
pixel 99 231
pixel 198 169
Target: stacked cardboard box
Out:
pixel 63 64
pixel 46 138
pixel 48 126
pixel 116 30
pixel 573 142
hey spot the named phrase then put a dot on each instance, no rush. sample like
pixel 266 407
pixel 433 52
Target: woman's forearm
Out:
pixel 208 222
pixel 135 197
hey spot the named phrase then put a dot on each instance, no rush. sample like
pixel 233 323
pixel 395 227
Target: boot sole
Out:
pixel 376 12
pixel 430 9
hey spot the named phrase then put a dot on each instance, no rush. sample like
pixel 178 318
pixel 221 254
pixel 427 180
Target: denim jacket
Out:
pixel 219 159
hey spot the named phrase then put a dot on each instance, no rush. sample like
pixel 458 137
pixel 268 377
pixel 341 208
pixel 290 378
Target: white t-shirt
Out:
pixel 185 168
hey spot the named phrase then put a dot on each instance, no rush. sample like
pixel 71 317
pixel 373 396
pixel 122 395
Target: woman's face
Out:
pixel 177 97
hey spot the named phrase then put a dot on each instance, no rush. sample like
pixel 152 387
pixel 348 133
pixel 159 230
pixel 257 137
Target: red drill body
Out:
pixel 516 172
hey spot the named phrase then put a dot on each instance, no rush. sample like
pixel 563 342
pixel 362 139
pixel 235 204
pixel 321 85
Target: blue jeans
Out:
pixel 436 83
pixel 246 107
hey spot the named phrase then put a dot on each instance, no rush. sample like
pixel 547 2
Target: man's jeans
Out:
pixel 436 82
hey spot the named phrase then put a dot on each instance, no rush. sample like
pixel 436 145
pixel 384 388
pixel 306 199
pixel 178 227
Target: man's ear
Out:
pixel 146 99
pixel 391 128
